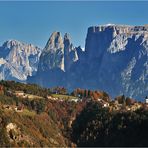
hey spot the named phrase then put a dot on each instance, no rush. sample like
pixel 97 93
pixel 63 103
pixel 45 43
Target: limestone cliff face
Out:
pixel 112 37
pixel 18 60
pixel 122 54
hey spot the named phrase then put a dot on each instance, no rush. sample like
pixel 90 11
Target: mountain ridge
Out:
pixel 113 57
pixel 115 60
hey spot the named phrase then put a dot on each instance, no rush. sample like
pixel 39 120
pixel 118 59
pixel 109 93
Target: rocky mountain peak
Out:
pixel 67 36
pixel 67 43
pixel 68 46
pixel 70 52
pixel 58 53
pixel 55 41
pixel 10 43
pixel 52 56
pixel 19 60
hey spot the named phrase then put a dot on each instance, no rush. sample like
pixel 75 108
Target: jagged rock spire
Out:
pixel 70 53
pixel 58 53
pixel 53 53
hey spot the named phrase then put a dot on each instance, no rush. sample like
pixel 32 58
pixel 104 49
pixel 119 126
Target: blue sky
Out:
pixel 33 22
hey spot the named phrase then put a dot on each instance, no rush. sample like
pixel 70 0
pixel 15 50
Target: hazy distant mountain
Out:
pixel 115 60
pixel 18 60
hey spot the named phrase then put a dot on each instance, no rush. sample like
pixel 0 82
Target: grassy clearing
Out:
pixel 27 112
pixel 66 97
pixel 31 97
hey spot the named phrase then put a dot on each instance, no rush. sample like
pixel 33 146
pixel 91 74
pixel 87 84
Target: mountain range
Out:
pixel 115 60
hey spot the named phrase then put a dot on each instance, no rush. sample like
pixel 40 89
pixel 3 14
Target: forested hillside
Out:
pixel 34 116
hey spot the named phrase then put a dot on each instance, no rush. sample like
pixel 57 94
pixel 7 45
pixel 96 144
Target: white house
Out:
pixel 146 100
pixel 75 100
pixel 106 105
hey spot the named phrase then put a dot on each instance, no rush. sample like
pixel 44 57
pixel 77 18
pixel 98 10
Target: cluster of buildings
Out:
pixel 103 103
pixel 116 105
pixel 113 105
